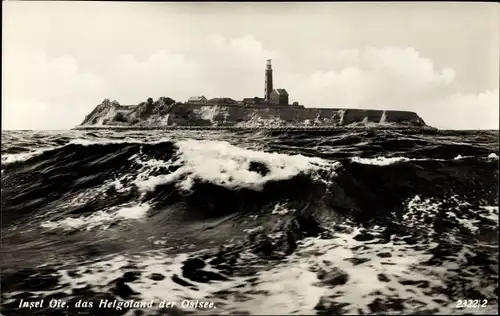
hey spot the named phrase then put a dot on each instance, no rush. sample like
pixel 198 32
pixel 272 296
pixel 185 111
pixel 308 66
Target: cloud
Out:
pixel 162 74
pixel 464 111
pixel 382 78
pixel 24 114
pixel 55 92
pixel 46 93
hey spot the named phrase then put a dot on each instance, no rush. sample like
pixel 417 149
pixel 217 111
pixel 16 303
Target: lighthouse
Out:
pixel 269 81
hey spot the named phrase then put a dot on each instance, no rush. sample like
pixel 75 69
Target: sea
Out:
pixel 249 222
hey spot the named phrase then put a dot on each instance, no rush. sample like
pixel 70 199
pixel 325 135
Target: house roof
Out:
pixel 197 98
pixel 281 91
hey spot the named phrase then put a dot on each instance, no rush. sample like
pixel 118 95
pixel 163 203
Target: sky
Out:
pixel 441 60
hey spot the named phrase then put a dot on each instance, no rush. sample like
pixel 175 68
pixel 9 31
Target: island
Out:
pixel 272 111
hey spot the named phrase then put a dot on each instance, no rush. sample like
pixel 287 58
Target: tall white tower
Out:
pixel 269 80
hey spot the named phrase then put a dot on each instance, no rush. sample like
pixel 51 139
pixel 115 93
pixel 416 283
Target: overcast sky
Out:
pixel 441 60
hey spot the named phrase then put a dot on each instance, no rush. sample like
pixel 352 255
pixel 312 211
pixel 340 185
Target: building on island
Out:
pixel 254 101
pixel 248 101
pixel 273 96
pixel 279 97
pixel 197 100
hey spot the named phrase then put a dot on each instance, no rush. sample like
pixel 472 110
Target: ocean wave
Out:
pixel 344 273
pixel 259 228
pixel 226 165
pixel 99 175
pixel 24 156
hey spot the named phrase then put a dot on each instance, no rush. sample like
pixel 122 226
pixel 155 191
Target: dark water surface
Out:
pixel 342 222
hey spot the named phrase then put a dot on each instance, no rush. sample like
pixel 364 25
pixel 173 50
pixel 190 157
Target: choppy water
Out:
pixel 343 222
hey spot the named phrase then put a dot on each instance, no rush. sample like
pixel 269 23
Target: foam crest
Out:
pixel 99 219
pixel 19 157
pixel 491 213
pixel 223 164
pixel 493 156
pixel 379 161
pixel 386 161
pixel 89 142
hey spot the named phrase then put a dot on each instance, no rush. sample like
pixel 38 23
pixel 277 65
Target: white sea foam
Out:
pixel 421 211
pixel 379 161
pixel 386 161
pixel 281 209
pixel 289 287
pixel 11 158
pixel 493 156
pixel 223 164
pixel 460 157
pixel 304 289
pixel 293 286
pixel 101 219
pixel 492 213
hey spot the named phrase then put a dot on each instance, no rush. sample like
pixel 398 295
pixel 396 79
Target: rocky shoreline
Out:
pixel 173 115
pixel 239 128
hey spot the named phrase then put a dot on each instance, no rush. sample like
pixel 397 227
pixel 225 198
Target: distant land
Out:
pixel 166 113
pixel 272 111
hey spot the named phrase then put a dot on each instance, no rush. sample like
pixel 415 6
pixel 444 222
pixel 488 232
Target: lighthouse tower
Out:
pixel 269 81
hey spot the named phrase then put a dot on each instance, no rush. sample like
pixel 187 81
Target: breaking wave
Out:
pixel 133 174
